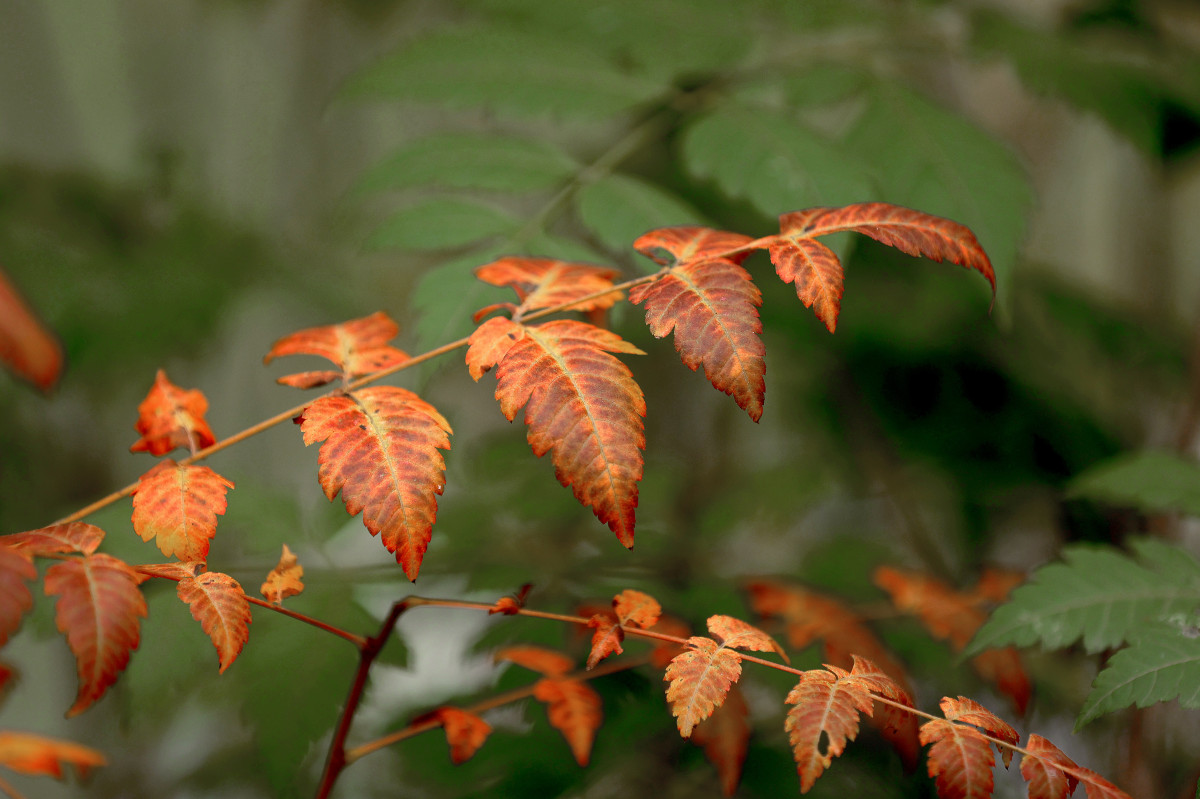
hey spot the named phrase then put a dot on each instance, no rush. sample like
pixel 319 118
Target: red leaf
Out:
pixel 954 616
pixel 171 417
pixel 960 759
pixel 171 571
pixel 1044 773
pixel 98 607
pixel 178 506
pixel 357 347
pixel 57 538
pixel 1097 787
pixel 713 308
pixel 539 659
pixel 971 712
pixel 827 707
pixel 16 569
pixel 380 451
pixel 583 406
pixel 465 732
pixel 816 271
pixel 37 756
pixel 545 283
pixel 26 346
pixel 489 343
pixel 218 602
pixel 606 640
pixel 679 245
pixel 700 678
pixel 636 609
pixel 725 736
pixel 574 709
pixel 284 580
pixel 735 632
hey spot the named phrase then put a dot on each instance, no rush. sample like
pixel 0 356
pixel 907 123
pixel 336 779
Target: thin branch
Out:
pixel 7 788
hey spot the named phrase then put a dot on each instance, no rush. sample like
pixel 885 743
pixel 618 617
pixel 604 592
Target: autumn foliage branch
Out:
pixel 382 449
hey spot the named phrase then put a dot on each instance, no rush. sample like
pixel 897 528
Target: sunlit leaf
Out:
pixel 178 506
pixel 357 348
pixel 700 678
pixel 634 608
pixel 171 417
pixel 284 580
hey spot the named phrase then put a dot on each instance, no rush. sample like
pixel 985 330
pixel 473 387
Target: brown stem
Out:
pixel 7 788
pixel 336 760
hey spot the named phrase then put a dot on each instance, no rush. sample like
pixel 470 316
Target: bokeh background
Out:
pixel 181 183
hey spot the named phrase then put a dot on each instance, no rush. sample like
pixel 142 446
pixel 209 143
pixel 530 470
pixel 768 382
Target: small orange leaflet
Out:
pixel 171 417
pixel 509 605
pixel 219 604
pixel 175 570
pixel 636 609
pixel 284 580
pixel 70 537
pixel 606 640
pixel 357 347
pixel 99 607
pixel 574 709
pixel 545 282
pixel 670 246
pixel 178 506
pixel 26 346
pixel 36 755
pixel 380 449
pixel 465 732
pixel 537 658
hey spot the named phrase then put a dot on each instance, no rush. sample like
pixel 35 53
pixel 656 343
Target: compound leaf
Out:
pixel 178 506
pixel 36 755
pixel 218 602
pixel 1096 594
pixel 171 417
pixel 583 406
pixel 380 450
pixel 357 348
pixel 712 306
pixel 574 709
pixel 98 609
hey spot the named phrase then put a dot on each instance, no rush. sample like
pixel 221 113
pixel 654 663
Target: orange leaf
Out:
pixel 994 585
pixel 509 605
pixel 26 346
pixel 725 736
pixel 827 705
pixel 171 417
pixel 37 756
pixel 1044 773
pixel 1097 787
pixel 815 269
pixel 489 343
pixel 713 308
pixel 16 569
pixel 178 506
pixel 380 451
pixel 539 659
pixel 583 406
pixel 170 571
pixel 574 709
pixel 357 347
pixel 98 608
pixel 700 678
pixel 735 632
pixel 679 245
pixel 545 283
pixel 218 602
pixel 960 759
pixel 70 537
pixel 955 616
pixel 284 580
pixel 636 609
pixel 606 640
pixel 465 732
pixel 971 712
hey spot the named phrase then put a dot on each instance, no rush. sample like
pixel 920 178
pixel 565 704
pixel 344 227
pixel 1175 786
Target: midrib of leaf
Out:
pixel 380 434
pixel 710 667
pixel 587 405
pixel 717 316
pixel 97 619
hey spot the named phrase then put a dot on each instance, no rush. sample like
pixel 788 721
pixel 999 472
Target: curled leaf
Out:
pixel 57 538
pixel 546 283
pixel 465 732
pixel 357 348
pixel 171 417
pixel 284 580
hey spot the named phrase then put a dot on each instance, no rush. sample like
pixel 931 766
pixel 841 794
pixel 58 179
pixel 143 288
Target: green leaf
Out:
pixel 1094 77
pixel 1149 480
pixel 619 208
pixel 1099 595
pixel 441 223
pixel 927 157
pixel 773 161
pixel 1161 663
pixel 506 70
pixel 471 161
